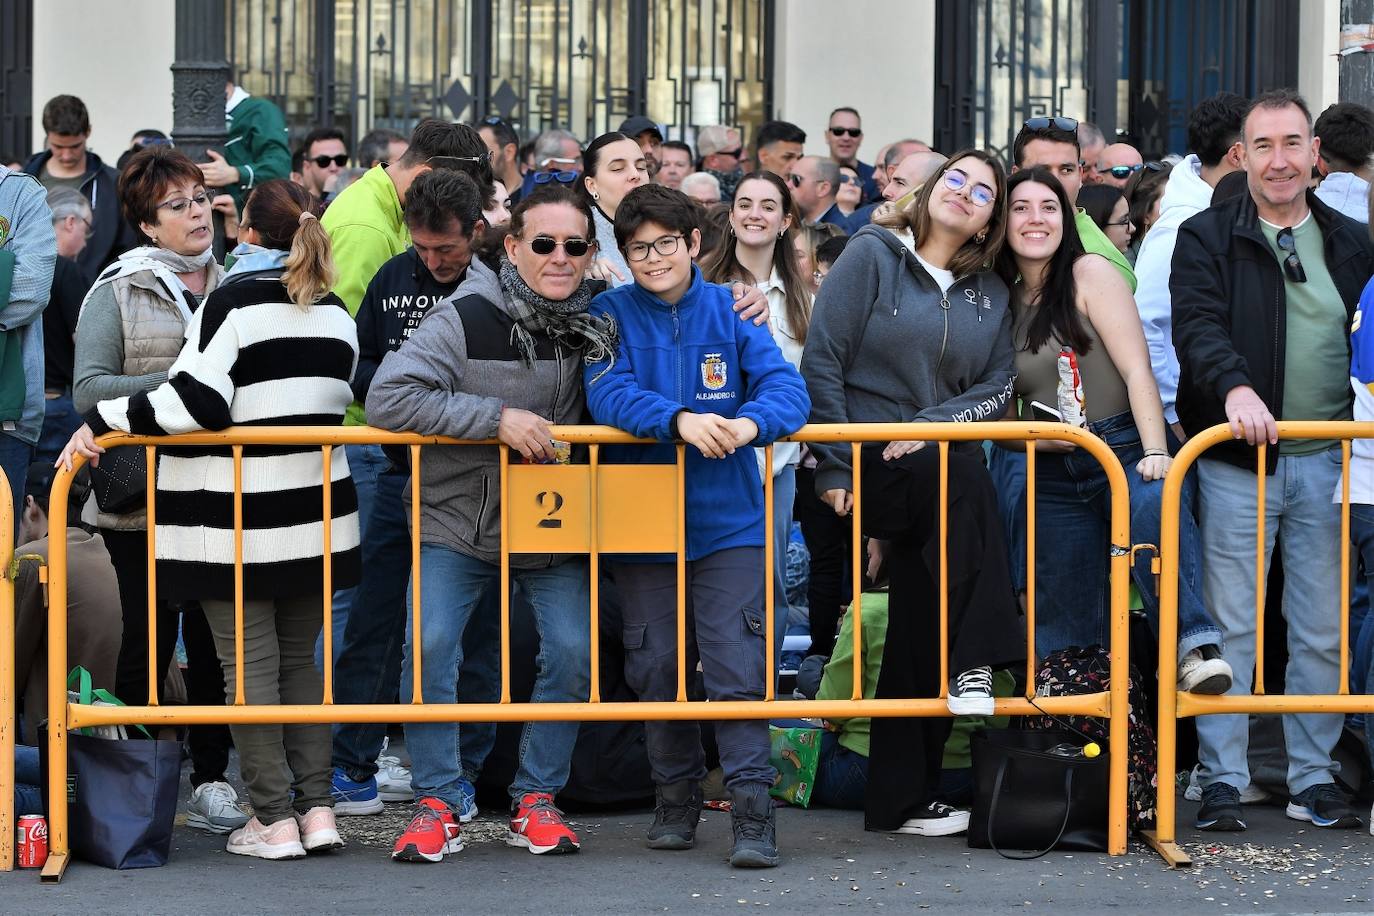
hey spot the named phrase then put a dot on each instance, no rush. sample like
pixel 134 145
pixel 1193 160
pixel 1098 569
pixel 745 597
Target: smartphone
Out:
pixel 1041 412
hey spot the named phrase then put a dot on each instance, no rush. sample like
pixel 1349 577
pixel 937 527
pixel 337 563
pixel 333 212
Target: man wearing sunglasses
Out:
pixel 815 181
pixel 1264 286
pixel 1117 164
pixel 844 135
pixel 722 154
pixel 325 155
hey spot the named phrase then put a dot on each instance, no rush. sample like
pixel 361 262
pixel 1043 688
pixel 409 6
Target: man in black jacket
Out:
pixel 444 214
pixel 1263 288
pixel 68 163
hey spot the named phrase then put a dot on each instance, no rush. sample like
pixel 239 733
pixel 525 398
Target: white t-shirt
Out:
pixel 941 276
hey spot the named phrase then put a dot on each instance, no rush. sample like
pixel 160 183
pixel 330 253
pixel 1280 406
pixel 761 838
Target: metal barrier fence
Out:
pixel 593 509
pixel 1174 705
pixel 9 725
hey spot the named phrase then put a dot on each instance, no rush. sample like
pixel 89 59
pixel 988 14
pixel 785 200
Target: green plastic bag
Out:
pixel 795 753
pixel 81 691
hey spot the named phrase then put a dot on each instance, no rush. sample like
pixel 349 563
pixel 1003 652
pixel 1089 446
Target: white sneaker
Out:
pixel 393 779
pixel 281 840
pixel 1250 795
pixel 970 694
pixel 319 832
pixel 1198 674
pixel 214 806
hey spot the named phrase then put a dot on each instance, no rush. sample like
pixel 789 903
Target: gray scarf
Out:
pixel 565 321
pixel 176 263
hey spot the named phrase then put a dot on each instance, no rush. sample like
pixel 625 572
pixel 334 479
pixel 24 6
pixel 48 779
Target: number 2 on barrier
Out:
pixel 551 500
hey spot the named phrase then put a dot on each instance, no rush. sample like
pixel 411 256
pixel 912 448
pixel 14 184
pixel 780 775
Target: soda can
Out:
pixel 33 841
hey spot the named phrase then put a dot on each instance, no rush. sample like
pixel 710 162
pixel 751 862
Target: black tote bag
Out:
pixel 122 799
pixel 1025 797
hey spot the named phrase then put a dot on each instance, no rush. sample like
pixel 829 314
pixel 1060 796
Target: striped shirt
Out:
pixel 252 358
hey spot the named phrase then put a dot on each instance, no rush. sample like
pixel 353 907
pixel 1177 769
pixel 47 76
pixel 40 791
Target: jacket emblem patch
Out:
pixel 713 372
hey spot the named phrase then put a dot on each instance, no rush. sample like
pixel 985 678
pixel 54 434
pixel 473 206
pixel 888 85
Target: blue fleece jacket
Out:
pixel 697 356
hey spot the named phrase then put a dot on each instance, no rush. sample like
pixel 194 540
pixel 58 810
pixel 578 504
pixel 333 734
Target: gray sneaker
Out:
pixel 214 806
pixel 676 814
pixel 754 826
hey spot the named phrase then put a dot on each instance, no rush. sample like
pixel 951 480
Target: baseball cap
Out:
pixel 633 127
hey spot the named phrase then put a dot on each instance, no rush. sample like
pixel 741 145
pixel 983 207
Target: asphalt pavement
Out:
pixel 1278 866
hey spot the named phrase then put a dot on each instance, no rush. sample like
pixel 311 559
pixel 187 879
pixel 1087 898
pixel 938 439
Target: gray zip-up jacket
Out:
pixel 886 346
pixel 451 378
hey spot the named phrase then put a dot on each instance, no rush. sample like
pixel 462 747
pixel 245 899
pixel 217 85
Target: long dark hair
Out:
pixel 1098 201
pixel 724 267
pixel 591 163
pixel 1056 310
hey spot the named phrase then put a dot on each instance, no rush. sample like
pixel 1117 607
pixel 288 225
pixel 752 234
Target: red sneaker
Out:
pixel 539 826
pixel 432 834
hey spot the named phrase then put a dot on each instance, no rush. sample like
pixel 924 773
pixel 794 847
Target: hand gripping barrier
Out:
pixel 1174 705
pixel 593 509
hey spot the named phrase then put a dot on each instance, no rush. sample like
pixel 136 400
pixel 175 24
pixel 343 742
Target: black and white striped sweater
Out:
pixel 252 358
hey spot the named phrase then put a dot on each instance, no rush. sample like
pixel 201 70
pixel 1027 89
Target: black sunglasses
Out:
pixel 573 248
pixel 733 153
pixel 1068 124
pixel 843 131
pixel 322 162
pixel 560 177
pixel 1292 264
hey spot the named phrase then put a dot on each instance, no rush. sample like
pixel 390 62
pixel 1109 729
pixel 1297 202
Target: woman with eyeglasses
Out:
pixel 1110 213
pixel 759 249
pixel 131 329
pixel 613 165
pixel 1069 305
pixel 913 335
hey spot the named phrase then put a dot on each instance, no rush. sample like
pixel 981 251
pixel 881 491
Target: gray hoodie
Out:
pixel 451 378
pixel 886 346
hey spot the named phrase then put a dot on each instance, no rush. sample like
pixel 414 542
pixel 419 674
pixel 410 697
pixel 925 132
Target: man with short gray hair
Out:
pixel 557 152
pixel 814 181
pixel 71 223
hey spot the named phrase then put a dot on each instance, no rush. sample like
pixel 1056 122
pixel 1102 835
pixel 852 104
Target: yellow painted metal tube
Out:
pixel 1261 579
pixel 594 579
pixel 1098 704
pixel 857 569
pixel 417 659
pixel 944 569
pixel 1031 664
pixel 1342 609
pixel 504 461
pixel 681 573
pixel 9 725
pixel 327 492
pixel 59 841
pixel 239 697
pixel 154 676
pixel 770 676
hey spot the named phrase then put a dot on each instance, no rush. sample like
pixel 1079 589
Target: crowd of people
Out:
pixel 460 282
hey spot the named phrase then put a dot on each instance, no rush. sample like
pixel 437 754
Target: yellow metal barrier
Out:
pixel 9 726
pixel 1174 705
pixel 593 509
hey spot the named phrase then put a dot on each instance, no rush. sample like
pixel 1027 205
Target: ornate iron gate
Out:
pixel 586 65
pixel 16 78
pixel 1139 65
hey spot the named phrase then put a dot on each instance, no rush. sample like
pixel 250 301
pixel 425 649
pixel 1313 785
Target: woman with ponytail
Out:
pixel 759 249
pixel 271 346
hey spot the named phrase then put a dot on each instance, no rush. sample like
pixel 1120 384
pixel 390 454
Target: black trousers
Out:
pixel 208 744
pixel 901 505
pixel 828 541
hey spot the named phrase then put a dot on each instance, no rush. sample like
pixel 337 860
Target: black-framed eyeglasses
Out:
pixel 544 246
pixel 560 177
pixel 323 162
pixel 178 205
pixel 664 245
pixel 980 194
pixel 1124 221
pixel 1292 264
pixel 846 131
pixel 1057 123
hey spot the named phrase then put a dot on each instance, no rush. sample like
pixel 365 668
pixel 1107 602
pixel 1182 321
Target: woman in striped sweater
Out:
pixel 270 347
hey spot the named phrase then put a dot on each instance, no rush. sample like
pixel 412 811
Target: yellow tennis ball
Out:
pixel 1091 749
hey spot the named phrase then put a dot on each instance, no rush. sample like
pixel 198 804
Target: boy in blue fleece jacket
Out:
pixel 686 368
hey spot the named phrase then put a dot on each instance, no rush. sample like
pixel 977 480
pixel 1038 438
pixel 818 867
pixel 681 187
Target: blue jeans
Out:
pixel 1299 510
pixel 453 586
pixel 60 420
pixel 1008 471
pixel 841 775
pixel 1073 514
pixel 1362 618
pixel 365 463
pixel 28 792
pixel 784 495
pixel 15 457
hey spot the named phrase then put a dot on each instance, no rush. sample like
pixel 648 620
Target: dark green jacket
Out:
pixel 256 146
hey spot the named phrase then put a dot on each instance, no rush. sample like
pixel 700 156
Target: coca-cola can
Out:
pixel 33 841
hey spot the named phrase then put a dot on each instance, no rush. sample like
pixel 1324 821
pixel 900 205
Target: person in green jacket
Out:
pixel 256 149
